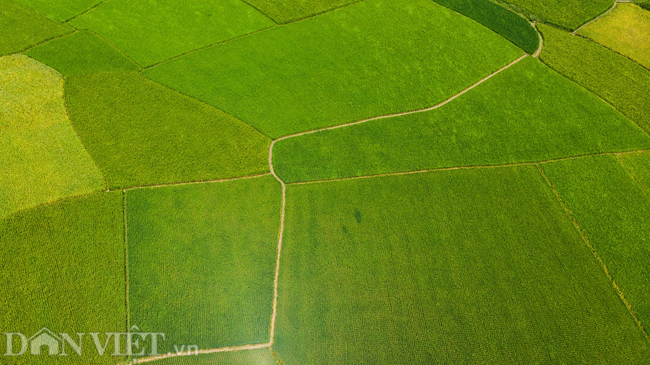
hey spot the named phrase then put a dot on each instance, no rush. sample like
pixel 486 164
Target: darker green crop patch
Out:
pixel 21 27
pixel 511 26
pixel 81 53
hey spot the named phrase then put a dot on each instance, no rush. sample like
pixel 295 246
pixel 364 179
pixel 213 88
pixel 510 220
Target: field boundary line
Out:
pixel 417 111
pixel 67 113
pixel 202 352
pixel 575 32
pixel 541 41
pixel 86 11
pixel 193 182
pixel 126 263
pixel 473 167
pixel 594 252
pixel 208 46
pixel 112 45
pixel 629 173
pixel 276 278
pixel 276 25
pixel 74 30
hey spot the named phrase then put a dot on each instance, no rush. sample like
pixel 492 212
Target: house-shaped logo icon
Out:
pixel 46 338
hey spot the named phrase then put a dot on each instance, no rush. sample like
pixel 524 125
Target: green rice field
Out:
pixel 625 30
pixel 296 182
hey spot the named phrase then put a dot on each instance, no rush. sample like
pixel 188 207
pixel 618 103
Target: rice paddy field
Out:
pixel 324 182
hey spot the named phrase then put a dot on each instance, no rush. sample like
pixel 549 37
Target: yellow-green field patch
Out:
pixel 152 31
pixel 62 267
pixel 626 30
pixel 42 157
pixel 620 81
pixel 142 133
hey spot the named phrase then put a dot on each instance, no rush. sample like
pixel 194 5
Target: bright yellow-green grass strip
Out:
pixel 569 14
pixel 202 261
pixel 526 113
pixel 60 10
pixel 478 266
pixel 372 58
pixel 21 27
pixel 81 53
pixel 42 159
pixel 614 213
pixel 638 164
pixel 246 357
pixel 621 82
pixel 285 11
pixel 62 267
pixel 142 133
pixel 153 31
pixel 625 30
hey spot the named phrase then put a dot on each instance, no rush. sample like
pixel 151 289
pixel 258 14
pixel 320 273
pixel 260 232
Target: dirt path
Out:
pixel 541 41
pixel 598 17
pixel 283 211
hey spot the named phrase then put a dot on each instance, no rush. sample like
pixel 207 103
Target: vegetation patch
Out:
pixel 141 133
pixel 63 268
pixel 142 28
pixel 60 10
pixel 625 30
pixel 526 113
pixel 614 213
pixel 467 266
pixel 285 11
pixel 202 261
pixel 250 357
pixel 615 78
pixel 343 66
pixel 638 165
pixel 569 14
pixel 42 157
pixel 81 53
pixel 21 27
pixel 511 26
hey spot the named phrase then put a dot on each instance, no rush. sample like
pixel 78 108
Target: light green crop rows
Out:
pixel 60 10
pixel 614 213
pixel 142 28
pixel 202 261
pixel 526 113
pixel 285 11
pixel 341 67
pixel 471 266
